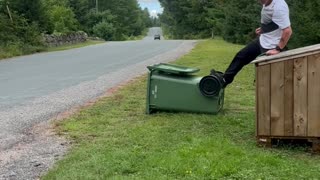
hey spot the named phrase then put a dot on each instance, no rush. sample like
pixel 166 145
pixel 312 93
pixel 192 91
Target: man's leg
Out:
pixel 243 57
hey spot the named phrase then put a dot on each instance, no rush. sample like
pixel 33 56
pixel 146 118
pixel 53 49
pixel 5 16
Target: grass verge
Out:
pixel 13 51
pixel 115 139
pixel 73 46
pixel 140 37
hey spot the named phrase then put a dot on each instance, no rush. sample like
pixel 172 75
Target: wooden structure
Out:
pixel 288 96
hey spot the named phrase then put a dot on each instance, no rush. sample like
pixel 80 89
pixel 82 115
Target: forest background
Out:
pixel 23 22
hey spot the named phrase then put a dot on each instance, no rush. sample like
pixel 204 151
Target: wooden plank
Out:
pixel 257 99
pixel 277 99
pixel 288 98
pixel 314 95
pixel 275 60
pixel 290 53
pixel 273 141
pixel 263 85
pixel 300 96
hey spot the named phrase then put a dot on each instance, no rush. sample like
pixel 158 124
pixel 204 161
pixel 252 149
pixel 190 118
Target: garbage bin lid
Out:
pixel 174 69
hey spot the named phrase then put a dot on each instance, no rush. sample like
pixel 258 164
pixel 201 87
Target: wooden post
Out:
pixel 263 104
pixel 277 99
pixel 313 95
pixel 212 36
pixel 288 98
pixel 300 100
pixel 9 12
pixel 97 6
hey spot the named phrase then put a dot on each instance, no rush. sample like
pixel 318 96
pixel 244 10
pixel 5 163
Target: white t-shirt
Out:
pixel 278 12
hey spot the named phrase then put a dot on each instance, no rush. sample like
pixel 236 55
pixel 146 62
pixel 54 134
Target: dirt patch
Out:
pixel 41 147
pixel 77 109
pixel 33 156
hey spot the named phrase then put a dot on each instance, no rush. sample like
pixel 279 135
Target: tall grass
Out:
pixel 19 49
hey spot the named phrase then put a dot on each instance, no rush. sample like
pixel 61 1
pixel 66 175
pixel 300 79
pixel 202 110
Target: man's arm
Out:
pixel 286 34
pixel 258 31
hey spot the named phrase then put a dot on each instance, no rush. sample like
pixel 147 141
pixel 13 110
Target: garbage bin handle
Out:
pixel 221 101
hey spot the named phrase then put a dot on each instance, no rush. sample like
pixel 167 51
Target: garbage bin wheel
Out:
pixel 210 85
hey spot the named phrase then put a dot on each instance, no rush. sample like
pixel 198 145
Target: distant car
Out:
pixel 157 36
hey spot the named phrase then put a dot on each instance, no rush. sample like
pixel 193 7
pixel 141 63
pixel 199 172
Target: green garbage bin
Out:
pixel 176 88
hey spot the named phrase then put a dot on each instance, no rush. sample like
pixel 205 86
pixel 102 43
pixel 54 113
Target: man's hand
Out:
pixel 258 31
pixel 272 52
pixel 286 34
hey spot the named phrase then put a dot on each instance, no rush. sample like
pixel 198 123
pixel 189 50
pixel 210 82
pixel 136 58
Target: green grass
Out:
pixel 140 37
pixel 115 139
pixel 73 46
pixel 16 50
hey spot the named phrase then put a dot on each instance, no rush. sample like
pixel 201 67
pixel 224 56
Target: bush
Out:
pixel 18 37
pixel 104 30
pixel 6 30
pixel 93 18
pixel 63 19
pixel 11 49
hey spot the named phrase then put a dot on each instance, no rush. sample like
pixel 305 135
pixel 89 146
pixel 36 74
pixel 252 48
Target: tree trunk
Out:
pixel 9 14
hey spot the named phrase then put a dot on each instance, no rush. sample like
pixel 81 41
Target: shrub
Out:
pixel 63 19
pixel 104 30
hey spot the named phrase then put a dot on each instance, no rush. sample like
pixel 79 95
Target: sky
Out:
pixel 153 6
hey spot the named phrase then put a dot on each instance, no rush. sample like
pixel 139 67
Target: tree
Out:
pixel 93 18
pixel 32 10
pixel 104 30
pixel 155 21
pixel 241 20
pixel 60 16
pixel 186 19
pixel 80 9
pixel 128 17
pixel 145 16
pixel 215 17
pixel 305 22
pixel 63 19
pixel 235 20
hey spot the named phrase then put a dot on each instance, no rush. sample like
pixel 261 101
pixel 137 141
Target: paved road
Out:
pixel 152 32
pixel 37 88
pixel 25 78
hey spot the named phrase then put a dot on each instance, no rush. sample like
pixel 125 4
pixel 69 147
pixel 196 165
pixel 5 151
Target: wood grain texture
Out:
pixel 300 103
pixel 263 84
pixel 314 95
pixel 288 98
pixel 290 54
pixel 277 99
